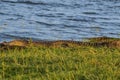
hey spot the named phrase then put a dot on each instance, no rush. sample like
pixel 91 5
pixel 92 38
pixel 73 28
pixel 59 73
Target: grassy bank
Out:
pixel 80 63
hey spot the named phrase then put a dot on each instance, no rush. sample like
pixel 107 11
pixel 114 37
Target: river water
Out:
pixel 59 19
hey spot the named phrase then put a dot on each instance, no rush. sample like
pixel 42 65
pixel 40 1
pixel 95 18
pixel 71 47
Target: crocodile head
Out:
pixel 17 43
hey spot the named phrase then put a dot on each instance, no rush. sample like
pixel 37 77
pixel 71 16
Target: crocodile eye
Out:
pixel 64 45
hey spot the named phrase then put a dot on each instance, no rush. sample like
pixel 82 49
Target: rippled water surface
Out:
pixel 59 19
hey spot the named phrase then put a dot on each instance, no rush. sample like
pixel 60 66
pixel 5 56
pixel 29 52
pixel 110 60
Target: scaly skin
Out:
pixel 61 43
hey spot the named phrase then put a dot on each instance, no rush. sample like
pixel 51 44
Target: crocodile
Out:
pixel 101 41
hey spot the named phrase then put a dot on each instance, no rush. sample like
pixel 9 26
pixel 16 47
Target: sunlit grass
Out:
pixel 80 63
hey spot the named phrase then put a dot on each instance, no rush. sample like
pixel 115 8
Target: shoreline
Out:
pixel 69 61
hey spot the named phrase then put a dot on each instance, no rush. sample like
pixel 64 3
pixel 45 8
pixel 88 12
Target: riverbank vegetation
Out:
pixel 80 63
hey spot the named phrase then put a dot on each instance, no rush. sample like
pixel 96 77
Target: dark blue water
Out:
pixel 59 19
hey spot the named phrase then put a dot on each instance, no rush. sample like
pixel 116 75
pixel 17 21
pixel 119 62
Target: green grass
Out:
pixel 80 63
